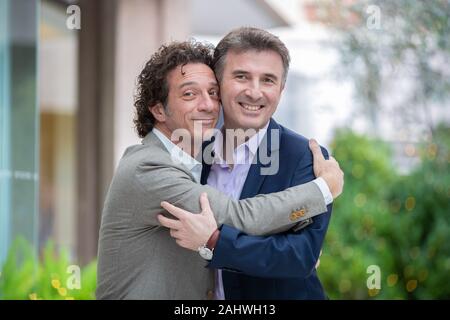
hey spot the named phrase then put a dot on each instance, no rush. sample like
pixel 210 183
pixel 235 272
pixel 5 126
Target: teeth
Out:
pixel 251 107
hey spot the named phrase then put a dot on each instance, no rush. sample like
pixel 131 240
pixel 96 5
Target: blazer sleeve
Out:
pixel 261 215
pixel 285 255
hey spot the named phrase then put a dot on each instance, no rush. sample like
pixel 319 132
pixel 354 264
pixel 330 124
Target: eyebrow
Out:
pixel 270 75
pixel 190 83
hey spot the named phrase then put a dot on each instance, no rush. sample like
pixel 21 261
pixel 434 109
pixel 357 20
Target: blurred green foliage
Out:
pixel 24 276
pixel 399 223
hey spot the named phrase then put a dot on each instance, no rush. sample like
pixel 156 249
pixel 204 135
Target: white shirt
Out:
pixel 179 156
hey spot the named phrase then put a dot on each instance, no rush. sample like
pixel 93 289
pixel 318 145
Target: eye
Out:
pixel 214 92
pixel 188 94
pixel 241 76
pixel 269 80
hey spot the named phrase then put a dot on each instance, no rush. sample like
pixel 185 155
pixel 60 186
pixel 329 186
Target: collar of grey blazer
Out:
pixel 152 141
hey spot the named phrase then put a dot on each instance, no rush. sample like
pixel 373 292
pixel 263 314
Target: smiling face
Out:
pixel 193 97
pixel 251 88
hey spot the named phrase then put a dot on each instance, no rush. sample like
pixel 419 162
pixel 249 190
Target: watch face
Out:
pixel 205 253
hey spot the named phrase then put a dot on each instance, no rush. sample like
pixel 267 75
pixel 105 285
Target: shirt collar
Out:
pixel 251 146
pixel 179 156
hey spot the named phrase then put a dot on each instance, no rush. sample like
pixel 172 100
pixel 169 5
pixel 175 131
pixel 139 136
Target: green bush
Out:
pixel 398 223
pixel 424 245
pixel 24 276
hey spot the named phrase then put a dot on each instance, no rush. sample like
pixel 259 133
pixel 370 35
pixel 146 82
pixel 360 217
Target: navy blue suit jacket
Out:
pixel 280 266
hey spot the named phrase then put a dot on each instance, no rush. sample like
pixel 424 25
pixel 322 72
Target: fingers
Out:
pixel 316 151
pixel 332 159
pixel 337 165
pixel 181 240
pixel 177 212
pixel 173 233
pixel 204 203
pixel 177 235
pixel 169 223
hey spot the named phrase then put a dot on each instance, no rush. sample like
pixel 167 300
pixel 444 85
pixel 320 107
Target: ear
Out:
pixel 158 112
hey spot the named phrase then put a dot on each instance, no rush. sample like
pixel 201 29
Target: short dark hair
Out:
pixel 152 85
pixel 246 39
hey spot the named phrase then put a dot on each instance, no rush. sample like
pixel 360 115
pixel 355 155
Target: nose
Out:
pixel 208 104
pixel 253 91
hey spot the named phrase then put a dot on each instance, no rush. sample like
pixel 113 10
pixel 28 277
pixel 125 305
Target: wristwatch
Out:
pixel 206 250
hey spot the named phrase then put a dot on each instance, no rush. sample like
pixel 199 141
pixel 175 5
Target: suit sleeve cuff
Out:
pixel 327 196
pixel 224 247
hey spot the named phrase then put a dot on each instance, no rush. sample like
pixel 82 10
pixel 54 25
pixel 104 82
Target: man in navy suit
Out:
pixel 259 157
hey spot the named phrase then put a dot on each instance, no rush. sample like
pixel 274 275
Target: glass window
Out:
pixel 18 122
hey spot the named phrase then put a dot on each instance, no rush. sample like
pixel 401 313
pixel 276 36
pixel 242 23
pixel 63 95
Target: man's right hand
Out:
pixel 190 231
pixel 329 169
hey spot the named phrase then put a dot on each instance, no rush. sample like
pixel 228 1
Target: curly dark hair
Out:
pixel 152 86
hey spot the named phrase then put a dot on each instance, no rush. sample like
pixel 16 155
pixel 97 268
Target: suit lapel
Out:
pixel 205 173
pixel 207 156
pixel 255 179
pixel 253 182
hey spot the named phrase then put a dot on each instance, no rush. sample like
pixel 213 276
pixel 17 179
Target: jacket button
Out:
pixel 297 214
pixel 210 295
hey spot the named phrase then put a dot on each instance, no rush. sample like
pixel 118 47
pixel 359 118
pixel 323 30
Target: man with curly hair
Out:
pixel 137 258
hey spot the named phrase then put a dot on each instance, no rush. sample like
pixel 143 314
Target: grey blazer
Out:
pixel 138 259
